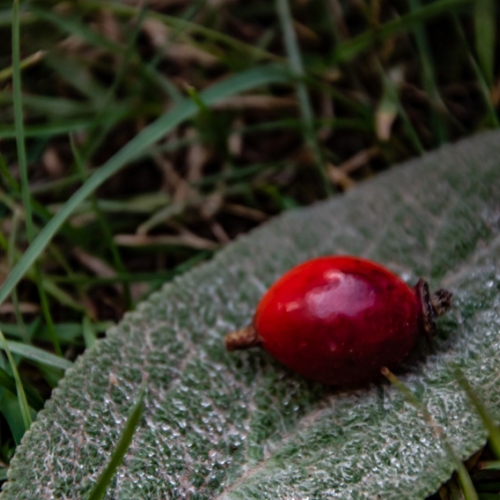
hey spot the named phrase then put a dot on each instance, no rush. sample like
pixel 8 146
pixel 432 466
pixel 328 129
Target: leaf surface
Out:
pixel 238 425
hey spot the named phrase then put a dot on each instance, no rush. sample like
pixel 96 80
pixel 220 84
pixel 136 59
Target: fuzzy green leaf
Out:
pixel 239 426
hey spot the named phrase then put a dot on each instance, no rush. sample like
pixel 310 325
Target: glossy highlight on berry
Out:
pixel 340 319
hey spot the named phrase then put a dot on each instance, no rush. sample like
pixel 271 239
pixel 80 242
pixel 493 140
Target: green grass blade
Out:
pixel 108 103
pixel 10 259
pixel 88 332
pixel 67 332
pixel 47 129
pixel 352 48
pixel 49 287
pixel 21 396
pixel 142 204
pixel 59 184
pixel 99 489
pixel 484 24
pixel 297 69
pixel 488 486
pixel 44 301
pixel 438 127
pixel 9 408
pixel 463 475
pixel 23 165
pixel 490 465
pixel 34 399
pixel 3 474
pixel 7 381
pixel 77 74
pixel 55 107
pixel 18 119
pixel 491 111
pixel 6 175
pixel 73 27
pixel 106 231
pixel 38 355
pixel 246 80
pixel 62 297
pixel 488 422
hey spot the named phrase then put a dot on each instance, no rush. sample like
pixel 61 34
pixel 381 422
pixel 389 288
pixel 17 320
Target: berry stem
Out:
pixel 243 339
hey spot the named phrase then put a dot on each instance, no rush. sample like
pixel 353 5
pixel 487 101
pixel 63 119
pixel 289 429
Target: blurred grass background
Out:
pixel 155 132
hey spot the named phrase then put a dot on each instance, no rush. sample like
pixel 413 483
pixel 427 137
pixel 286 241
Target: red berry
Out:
pixel 339 320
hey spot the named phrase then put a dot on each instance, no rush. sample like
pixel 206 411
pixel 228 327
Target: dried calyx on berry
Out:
pixel 431 306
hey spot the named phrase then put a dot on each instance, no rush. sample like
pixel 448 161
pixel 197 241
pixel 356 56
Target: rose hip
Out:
pixel 339 320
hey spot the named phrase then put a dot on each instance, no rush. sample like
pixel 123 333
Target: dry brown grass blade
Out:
pixel 24 308
pixel 185 240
